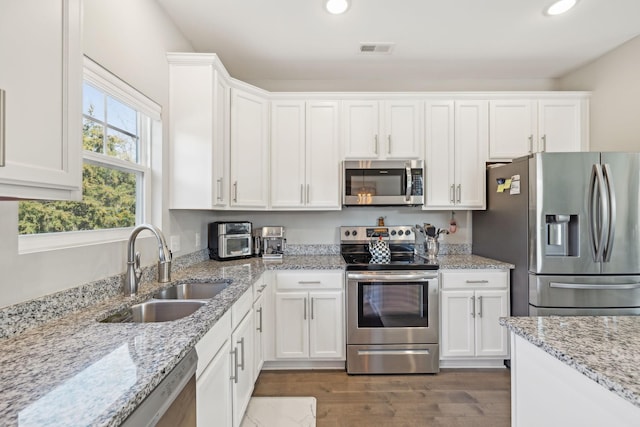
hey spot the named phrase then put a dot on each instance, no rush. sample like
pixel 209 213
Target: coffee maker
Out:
pixel 269 242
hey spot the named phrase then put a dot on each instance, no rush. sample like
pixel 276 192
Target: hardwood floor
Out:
pixel 452 398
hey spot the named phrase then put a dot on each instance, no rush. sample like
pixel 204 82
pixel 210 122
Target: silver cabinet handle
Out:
pixel 305 309
pixel 375 148
pixel 309 282
pixel 477 281
pixel 261 290
pixel 312 302
pixel 219 181
pixel 473 306
pixel 234 377
pixel 235 191
pixel 452 192
pixel 389 144
pixel 2 127
pixel 259 328
pixel 308 190
pixel 301 193
pixel 459 193
pixel 530 144
pixel 241 342
pixel 479 306
pixel 544 143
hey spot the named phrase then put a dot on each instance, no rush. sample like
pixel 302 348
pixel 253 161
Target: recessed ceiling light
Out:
pixel 336 7
pixel 560 7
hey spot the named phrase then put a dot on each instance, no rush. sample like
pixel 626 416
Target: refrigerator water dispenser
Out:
pixel 562 237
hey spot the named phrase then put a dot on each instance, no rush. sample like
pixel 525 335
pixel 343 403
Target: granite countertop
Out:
pixel 75 371
pixel 604 348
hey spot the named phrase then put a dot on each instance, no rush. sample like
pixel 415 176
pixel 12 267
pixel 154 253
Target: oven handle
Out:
pixel 375 277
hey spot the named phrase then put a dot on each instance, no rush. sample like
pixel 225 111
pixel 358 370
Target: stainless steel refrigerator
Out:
pixel 570 223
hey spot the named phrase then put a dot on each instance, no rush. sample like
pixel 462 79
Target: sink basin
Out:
pixel 192 291
pixel 155 311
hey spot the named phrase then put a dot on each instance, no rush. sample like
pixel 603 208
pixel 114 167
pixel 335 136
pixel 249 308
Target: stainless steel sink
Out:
pixel 156 311
pixel 192 291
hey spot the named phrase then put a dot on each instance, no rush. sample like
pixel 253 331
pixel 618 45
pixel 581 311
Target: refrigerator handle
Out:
pixel 598 213
pixel 611 226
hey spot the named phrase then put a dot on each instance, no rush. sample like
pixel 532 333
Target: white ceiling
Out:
pixel 434 39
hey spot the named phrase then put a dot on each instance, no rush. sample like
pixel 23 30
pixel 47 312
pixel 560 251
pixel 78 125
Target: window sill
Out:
pixel 56 241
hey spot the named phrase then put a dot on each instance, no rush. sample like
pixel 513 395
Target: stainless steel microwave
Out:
pixel 383 182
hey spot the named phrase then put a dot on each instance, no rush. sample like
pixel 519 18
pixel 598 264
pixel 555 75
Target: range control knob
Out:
pixel 407 232
pixel 354 232
pixel 400 233
pixel 393 232
pixel 347 233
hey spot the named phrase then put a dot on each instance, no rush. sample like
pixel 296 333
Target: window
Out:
pixel 118 127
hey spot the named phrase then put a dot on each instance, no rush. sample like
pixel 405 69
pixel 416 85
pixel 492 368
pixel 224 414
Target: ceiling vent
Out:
pixel 379 48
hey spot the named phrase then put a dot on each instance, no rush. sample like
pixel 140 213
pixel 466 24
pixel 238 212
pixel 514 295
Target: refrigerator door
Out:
pixel 559 213
pixel 622 255
pixel 585 292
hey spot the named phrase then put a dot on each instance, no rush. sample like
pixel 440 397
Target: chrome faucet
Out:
pixel 133 259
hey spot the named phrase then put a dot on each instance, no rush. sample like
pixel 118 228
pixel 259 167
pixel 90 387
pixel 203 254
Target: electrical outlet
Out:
pixel 198 242
pixel 174 242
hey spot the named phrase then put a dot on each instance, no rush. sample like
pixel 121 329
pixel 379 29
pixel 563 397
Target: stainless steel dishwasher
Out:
pixel 173 401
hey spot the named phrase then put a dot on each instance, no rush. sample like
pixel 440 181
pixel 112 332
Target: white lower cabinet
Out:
pixel 242 378
pixel 309 315
pixel 471 303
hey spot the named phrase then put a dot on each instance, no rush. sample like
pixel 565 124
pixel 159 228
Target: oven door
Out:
pixel 235 245
pixel 391 307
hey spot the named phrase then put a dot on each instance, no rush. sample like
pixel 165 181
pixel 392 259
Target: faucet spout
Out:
pixel 134 272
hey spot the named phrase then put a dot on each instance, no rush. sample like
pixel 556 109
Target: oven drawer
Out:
pixel 393 359
pixel 310 279
pixel 475 279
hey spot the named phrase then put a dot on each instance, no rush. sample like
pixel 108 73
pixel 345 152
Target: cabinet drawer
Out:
pixel 260 286
pixel 241 307
pixel 213 341
pixel 475 279
pixel 332 279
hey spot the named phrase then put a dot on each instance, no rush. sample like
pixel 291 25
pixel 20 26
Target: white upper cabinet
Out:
pixel 519 127
pixel 41 76
pixel 456 146
pixel 198 132
pixel 305 162
pixel 388 129
pixel 249 150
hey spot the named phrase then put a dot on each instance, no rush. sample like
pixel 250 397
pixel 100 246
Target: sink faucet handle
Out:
pixel 137 269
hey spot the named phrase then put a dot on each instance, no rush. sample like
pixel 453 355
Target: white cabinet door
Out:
pixel 456 144
pixel 249 150
pixel 288 187
pixel 326 335
pixel 403 131
pixel 559 125
pixel 361 127
pixel 323 155
pixel 512 128
pixel 198 132
pixel 491 338
pixel 213 391
pixel 440 154
pixel 41 74
pixel 259 317
pixel 243 364
pixel 471 136
pixel 457 327
pixel 292 325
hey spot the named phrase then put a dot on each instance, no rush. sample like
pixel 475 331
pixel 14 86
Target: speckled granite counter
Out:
pixel 604 349
pixel 455 262
pixel 76 371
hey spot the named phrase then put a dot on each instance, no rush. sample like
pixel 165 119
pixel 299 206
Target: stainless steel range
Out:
pixel 392 306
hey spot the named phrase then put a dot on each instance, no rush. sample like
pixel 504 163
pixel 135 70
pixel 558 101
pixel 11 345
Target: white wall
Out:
pixel 615 102
pixel 130 39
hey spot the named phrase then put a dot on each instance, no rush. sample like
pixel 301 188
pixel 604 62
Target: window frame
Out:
pixel 150 133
